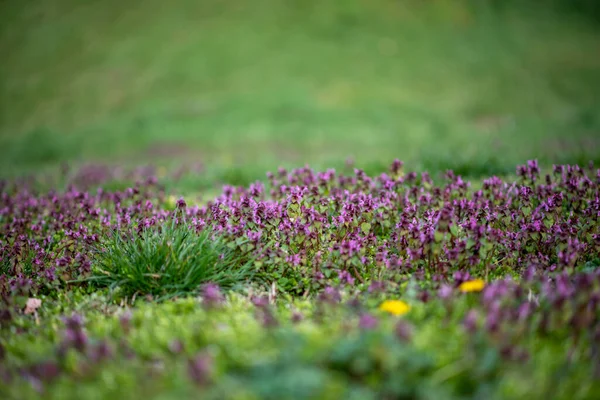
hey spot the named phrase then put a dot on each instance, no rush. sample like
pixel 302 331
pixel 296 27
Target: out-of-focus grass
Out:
pixel 471 85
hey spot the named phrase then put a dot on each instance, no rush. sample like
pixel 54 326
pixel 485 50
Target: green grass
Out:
pixel 257 84
pixel 241 87
pixel 332 359
pixel 166 261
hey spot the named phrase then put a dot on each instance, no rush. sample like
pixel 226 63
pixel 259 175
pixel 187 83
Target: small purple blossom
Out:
pixel 368 322
pixel 445 292
pixel 200 368
pixel 346 278
pixel 211 295
pixel 181 204
pixel 470 321
pixel 297 317
pixel 176 346
pixel 125 321
pixel 101 351
pixel 403 330
pixel 330 295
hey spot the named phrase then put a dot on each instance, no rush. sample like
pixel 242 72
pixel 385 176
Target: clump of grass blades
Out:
pixel 167 261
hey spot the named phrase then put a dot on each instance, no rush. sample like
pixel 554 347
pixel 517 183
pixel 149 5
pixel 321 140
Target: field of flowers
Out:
pixel 307 285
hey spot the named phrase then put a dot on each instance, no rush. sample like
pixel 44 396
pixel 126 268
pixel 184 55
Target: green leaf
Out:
pixel 438 236
pixel 454 229
pixel 365 227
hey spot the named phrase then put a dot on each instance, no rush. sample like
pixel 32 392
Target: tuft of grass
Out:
pixel 167 261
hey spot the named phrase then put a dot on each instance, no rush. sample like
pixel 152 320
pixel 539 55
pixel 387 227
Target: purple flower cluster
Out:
pixel 559 305
pixel 324 225
pixel 92 354
pixel 514 261
pixel 47 239
pixel 321 228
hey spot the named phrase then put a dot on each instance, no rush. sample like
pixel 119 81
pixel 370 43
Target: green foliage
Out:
pixel 585 8
pixel 330 359
pixel 473 86
pixel 38 147
pixel 466 80
pixel 166 261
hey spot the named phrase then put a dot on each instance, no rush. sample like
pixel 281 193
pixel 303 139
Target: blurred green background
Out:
pixel 475 85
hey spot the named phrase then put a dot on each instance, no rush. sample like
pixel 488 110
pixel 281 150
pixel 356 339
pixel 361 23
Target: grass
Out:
pixel 234 84
pixel 325 361
pixel 165 262
pixel 219 92
pixel 315 325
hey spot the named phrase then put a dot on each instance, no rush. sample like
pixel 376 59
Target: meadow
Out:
pixel 300 199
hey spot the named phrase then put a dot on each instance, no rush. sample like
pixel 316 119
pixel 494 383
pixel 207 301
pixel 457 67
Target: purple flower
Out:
pixel 354 303
pixel 76 339
pixel 424 296
pixel 396 166
pixel 297 317
pixel 345 277
pixel 181 204
pixel 492 321
pixel 260 301
pixel 211 295
pixel 376 287
pixel 524 311
pixel 330 295
pixel 125 321
pixel 368 322
pixel 460 277
pixel 470 321
pixel 45 371
pixel 403 331
pixel 445 292
pixel 200 368
pixel 529 274
pixel 266 317
pixel 74 335
pixel 176 346
pixel 102 351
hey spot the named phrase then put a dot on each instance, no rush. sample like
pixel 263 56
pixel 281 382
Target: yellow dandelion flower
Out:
pixel 396 307
pixel 476 285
